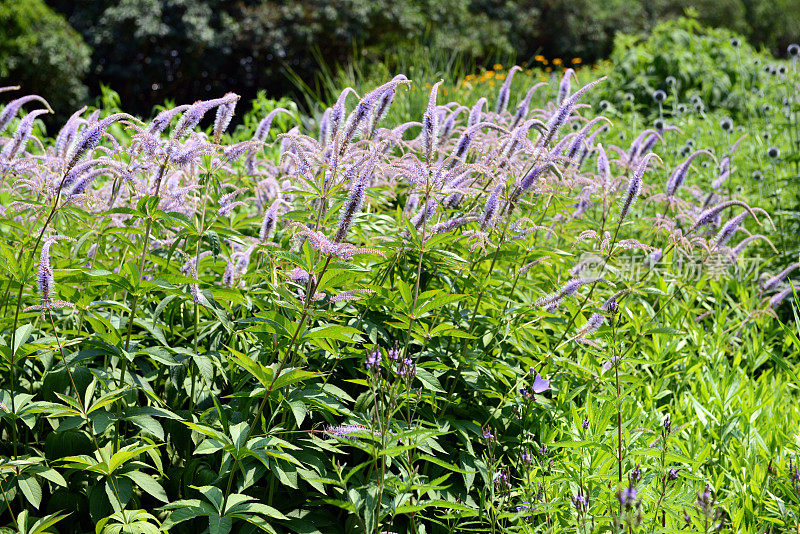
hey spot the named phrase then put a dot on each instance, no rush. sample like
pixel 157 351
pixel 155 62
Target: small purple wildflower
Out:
pixel 635 475
pixel 581 503
pixel 540 385
pixel 373 363
pixel 502 480
pixel 407 369
pixel 394 353
pixel 627 497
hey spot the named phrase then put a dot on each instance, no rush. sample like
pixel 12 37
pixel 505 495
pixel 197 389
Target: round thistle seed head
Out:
pixel 629 97
pixel 671 81
pixel 659 96
pixel 793 50
pixel 726 124
pixel 736 43
pixel 757 176
pixel 773 152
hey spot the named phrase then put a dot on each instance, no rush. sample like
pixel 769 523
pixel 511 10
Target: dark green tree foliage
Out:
pixel 151 50
pixel 40 52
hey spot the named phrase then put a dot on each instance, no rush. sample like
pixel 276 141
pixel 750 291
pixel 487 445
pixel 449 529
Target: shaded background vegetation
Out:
pixel 153 50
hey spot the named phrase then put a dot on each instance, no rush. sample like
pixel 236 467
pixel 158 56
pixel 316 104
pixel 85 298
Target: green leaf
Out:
pixel 31 489
pixel 219 525
pixel 148 484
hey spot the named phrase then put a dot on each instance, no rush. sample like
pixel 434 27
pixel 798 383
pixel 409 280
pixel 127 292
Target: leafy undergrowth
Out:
pixel 484 317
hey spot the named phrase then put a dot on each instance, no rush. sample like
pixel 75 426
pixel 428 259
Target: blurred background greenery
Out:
pixel 151 51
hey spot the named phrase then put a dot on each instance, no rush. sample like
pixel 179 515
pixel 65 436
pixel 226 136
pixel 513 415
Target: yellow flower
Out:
pixel 549 69
pixel 544 61
pixel 557 61
pixel 576 61
pixel 497 66
pixel 540 58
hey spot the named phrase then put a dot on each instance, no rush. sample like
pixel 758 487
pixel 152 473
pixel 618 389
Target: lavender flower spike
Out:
pixel 325 127
pixel 223 118
pixel 777 298
pixel 603 166
pixel 735 251
pixel 565 86
pixel 579 139
pixel 194 114
pixel 476 112
pixel 560 116
pixel 12 108
pixel 729 228
pixel 194 288
pixel 635 185
pixel 490 209
pixel 710 214
pixel 269 222
pixel 260 135
pixel 771 283
pixel 91 138
pixel 430 123
pixel 67 133
pixel 22 134
pixel 568 290
pixel 678 176
pixel 353 203
pixel 337 113
pixel 363 110
pixel 385 103
pixel 505 90
pixel 163 119
pixel 524 106
pixel 597 319
pixel 44 276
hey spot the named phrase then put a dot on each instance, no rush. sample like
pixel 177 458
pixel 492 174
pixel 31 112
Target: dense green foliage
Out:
pixel 299 327
pixel 42 53
pixel 686 60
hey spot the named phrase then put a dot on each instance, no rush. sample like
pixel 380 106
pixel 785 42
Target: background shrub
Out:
pixel 42 53
pixel 704 62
